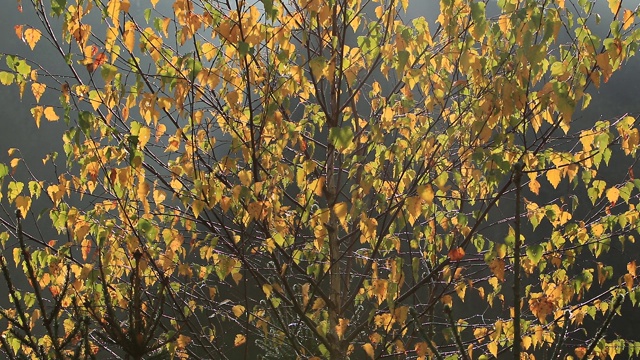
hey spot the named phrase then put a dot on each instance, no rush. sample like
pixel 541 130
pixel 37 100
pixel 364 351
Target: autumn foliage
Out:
pixel 320 179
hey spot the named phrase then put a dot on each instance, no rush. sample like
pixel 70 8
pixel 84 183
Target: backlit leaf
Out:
pixel 37 112
pixel 554 176
pixel 613 194
pixel 239 340
pixel 237 310
pixel 535 252
pixel 456 254
pixel 368 349
pixel 50 114
pixel 31 37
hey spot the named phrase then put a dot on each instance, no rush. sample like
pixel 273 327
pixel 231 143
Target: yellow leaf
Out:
pixel 50 114
pixel 197 207
pixel 239 340
pixel 627 18
pixel 183 341
pixel 340 209
pixel 414 208
pixel 368 348
pixel 426 193
pixel 113 10
pixel 144 134
pixel 38 89
pixel 14 162
pixel 597 230
pixel 318 304
pixel 405 4
pixel 238 310
pixel 317 185
pixel 129 35
pixel 493 348
pixel 613 194
pixel 534 185
pixel 37 114
pixel 31 37
pixel 267 290
pixel 614 5
pixel 143 190
pixel 208 50
pixel 441 181
pixel 554 176
pixel 317 66
pixel 154 2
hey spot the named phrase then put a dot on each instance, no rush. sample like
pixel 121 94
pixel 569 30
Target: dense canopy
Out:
pixel 320 179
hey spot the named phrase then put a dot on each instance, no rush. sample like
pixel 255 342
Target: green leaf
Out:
pixel 58 6
pixel 403 58
pixel 244 48
pixel 625 191
pixel 108 72
pixel 145 227
pixel 15 188
pixel 341 137
pixel 6 78
pixel 269 10
pixel 535 252
pixel 34 189
pixel 4 171
pixel 84 120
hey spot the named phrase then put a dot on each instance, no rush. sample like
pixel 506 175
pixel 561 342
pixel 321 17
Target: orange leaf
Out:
pixel 183 341
pixel 86 248
pixel 18 30
pixel 456 254
pixel 631 268
pixel 342 327
pixel 497 268
pixel 580 352
pixel 239 340
pixel 23 203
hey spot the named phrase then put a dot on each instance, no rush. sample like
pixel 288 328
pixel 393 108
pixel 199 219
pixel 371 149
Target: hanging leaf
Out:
pixel 31 36
pixel 534 253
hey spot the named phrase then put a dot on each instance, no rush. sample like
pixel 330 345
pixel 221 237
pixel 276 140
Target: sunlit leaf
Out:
pixel 31 37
